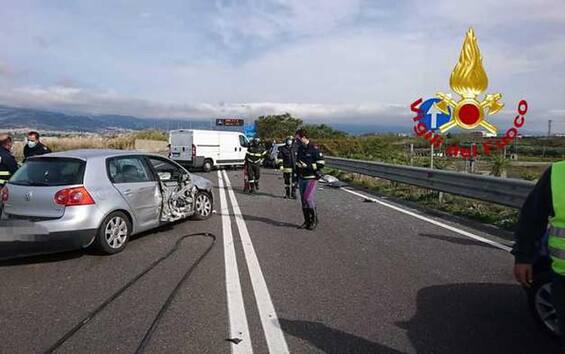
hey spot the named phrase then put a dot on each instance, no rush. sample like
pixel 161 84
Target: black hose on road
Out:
pixel 154 324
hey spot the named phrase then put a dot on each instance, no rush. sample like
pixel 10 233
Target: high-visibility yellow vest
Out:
pixel 557 222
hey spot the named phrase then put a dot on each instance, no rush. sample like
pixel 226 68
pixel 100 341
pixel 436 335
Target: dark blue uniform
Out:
pixel 309 164
pixel 8 166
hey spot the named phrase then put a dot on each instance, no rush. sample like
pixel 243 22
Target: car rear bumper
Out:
pixel 20 238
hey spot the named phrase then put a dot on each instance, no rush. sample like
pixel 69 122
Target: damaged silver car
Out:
pixel 101 197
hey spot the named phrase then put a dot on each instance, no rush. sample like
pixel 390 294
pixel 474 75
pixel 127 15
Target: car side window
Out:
pixel 128 170
pixel 166 170
pixel 243 141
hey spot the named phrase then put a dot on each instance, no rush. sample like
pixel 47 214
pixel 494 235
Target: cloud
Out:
pixel 74 99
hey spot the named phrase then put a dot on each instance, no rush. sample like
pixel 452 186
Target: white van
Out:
pixel 207 148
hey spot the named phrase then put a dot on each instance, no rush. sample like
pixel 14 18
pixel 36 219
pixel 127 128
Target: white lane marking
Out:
pixel 236 308
pixel 435 222
pixel 269 319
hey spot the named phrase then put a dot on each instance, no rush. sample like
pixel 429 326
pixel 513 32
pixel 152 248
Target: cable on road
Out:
pixel 154 324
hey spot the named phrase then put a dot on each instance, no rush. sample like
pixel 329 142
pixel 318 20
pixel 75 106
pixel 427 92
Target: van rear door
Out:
pixel 181 145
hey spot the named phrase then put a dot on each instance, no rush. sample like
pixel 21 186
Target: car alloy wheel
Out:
pixel 203 205
pixel 116 232
pixel 544 308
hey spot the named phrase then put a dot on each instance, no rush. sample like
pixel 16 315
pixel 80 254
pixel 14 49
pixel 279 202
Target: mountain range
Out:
pixel 14 118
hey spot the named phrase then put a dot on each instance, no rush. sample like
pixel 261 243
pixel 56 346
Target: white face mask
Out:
pixel 31 144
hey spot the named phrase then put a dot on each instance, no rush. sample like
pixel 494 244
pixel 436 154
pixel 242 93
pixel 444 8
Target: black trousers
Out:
pixel 253 172
pixel 558 299
pixel 289 179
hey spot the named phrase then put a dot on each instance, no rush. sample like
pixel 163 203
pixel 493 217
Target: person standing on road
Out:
pixel 254 160
pixel 8 164
pixel 309 164
pixel 545 203
pixel 34 147
pixel 287 161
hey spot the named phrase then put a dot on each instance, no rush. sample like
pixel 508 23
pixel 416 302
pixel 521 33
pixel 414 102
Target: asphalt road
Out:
pixel 370 279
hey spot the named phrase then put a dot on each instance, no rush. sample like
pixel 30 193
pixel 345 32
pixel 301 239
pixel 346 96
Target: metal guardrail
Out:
pixel 504 191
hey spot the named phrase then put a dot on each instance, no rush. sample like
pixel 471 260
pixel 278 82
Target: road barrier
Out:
pixel 504 191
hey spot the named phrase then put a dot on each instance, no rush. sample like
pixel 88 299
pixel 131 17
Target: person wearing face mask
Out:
pixel 34 147
pixel 287 164
pixel 309 165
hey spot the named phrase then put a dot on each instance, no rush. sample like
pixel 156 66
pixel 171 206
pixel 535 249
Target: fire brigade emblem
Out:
pixel 469 80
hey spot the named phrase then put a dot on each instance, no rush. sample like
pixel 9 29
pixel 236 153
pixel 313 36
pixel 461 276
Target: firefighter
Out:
pixel 287 160
pixel 309 164
pixel 8 164
pixel 254 160
pixel 546 203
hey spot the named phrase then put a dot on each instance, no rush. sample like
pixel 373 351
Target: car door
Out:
pixel 131 176
pixel 170 175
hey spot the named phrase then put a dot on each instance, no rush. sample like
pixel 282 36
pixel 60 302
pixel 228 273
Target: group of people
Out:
pixel 301 163
pixel 8 163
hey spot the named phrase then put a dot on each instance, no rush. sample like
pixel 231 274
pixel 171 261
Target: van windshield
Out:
pixel 50 171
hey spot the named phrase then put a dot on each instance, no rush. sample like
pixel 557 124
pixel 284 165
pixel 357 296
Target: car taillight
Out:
pixel 73 196
pixel 193 150
pixel 5 194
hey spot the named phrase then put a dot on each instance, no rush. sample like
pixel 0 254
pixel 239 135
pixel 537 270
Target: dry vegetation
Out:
pixel 122 142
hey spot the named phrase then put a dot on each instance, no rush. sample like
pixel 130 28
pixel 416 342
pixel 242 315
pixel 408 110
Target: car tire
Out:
pixel 114 233
pixel 203 206
pixel 539 301
pixel 207 166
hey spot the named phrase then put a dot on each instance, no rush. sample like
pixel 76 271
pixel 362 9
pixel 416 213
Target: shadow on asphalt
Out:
pixel 261 194
pixel 54 256
pixel 458 241
pixel 269 221
pixel 475 318
pixel 331 340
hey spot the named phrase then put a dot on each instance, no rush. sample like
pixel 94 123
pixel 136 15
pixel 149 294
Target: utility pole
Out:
pixel 432 156
pixel 549 128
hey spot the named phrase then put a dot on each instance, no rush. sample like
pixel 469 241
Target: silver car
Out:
pixel 101 197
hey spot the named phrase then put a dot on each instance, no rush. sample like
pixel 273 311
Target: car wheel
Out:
pixel 114 233
pixel 202 206
pixel 207 167
pixel 539 299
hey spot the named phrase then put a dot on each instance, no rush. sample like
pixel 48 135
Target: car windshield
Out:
pixel 50 172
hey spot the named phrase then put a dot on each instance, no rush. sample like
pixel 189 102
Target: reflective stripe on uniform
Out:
pixel 557 232
pixel 5 173
pixel 321 162
pixel 557 253
pixel 314 166
pixel 287 170
pixel 556 240
pixel 2 181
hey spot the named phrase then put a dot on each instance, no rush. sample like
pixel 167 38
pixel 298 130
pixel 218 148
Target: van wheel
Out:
pixel 114 233
pixel 207 167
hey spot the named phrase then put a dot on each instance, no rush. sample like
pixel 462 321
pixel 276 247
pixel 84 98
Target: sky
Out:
pixel 346 61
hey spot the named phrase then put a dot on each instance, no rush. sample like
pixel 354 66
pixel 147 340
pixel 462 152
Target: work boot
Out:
pixel 293 193
pixel 287 193
pixel 257 185
pixel 306 223
pixel 313 219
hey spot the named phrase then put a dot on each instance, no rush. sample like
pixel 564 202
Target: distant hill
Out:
pixel 17 118
pixel 28 118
